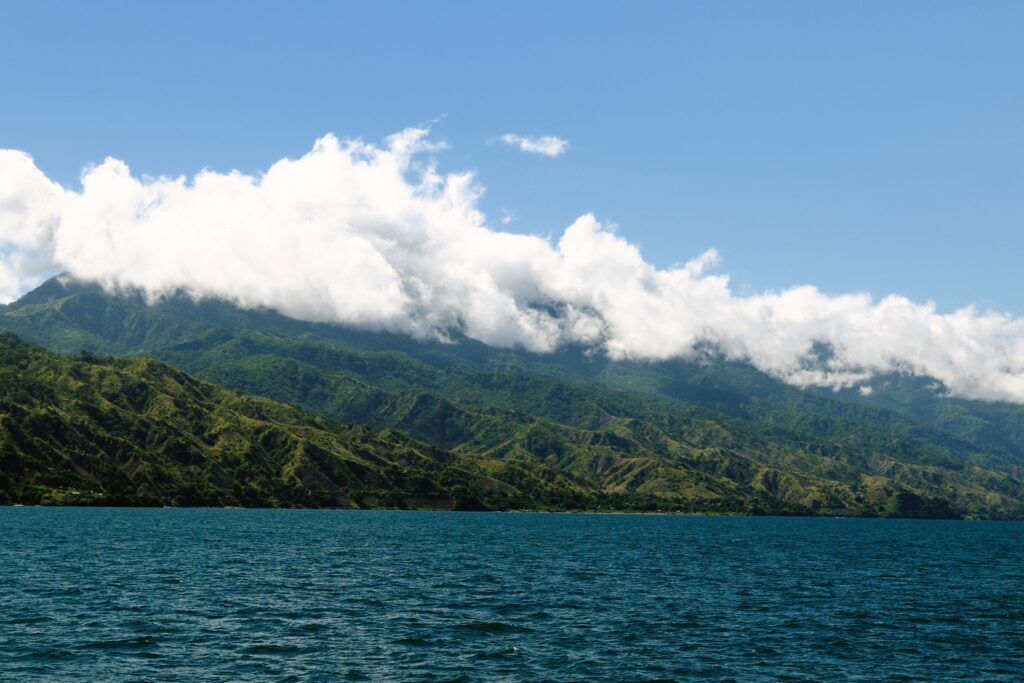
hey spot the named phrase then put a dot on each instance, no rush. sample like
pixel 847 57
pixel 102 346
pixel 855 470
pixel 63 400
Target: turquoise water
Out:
pixel 122 594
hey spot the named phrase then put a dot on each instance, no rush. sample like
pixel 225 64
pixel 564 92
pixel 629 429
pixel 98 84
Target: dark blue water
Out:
pixel 111 594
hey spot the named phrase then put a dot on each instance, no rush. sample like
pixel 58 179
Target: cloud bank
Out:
pixel 375 236
pixel 548 145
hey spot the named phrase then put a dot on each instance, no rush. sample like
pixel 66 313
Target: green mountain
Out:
pixel 138 432
pixel 697 435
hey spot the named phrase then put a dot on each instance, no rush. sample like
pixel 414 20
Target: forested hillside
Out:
pixel 699 434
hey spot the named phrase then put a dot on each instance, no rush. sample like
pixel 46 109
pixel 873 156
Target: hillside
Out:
pixel 693 435
pixel 138 432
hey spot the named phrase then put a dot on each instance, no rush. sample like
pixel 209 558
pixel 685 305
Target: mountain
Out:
pixel 137 432
pixel 705 434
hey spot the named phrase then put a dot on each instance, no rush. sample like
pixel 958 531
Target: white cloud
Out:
pixel 376 236
pixel 548 145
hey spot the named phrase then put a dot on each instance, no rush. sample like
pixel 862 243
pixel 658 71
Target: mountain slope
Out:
pixel 688 433
pixel 136 431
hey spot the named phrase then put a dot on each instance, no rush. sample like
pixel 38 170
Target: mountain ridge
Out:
pixel 651 429
pixel 136 431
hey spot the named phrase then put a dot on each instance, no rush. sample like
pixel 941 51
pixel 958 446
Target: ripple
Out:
pixel 415 641
pixel 491 627
pixel 121 643
pixel 274 650
pixel 50 653
pixel 27 621
pixel 325 595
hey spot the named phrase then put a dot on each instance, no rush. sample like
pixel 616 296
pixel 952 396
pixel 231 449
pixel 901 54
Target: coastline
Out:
pixel 593 512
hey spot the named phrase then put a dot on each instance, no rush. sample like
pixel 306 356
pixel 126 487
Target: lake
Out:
pixel 172 594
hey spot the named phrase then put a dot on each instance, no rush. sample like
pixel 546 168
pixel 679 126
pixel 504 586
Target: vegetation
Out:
pixel 560 431
pixel 138 432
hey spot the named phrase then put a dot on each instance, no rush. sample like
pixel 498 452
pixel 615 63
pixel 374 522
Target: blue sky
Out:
pixel 854 146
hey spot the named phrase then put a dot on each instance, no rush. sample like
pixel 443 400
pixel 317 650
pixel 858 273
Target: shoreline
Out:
pixel 636 513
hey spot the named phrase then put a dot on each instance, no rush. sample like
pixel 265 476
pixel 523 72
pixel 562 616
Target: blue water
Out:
pixel 114 594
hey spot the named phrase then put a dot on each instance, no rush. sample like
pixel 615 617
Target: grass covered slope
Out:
pixel 710 435
pixel 138 432
pixel 134 431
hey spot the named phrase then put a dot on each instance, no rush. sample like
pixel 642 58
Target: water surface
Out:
pixel 114 594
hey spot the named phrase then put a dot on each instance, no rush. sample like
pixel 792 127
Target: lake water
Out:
pixel 113 594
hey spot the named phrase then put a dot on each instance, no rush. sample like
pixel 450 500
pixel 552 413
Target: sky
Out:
pixel 869 146
pixel 863 149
